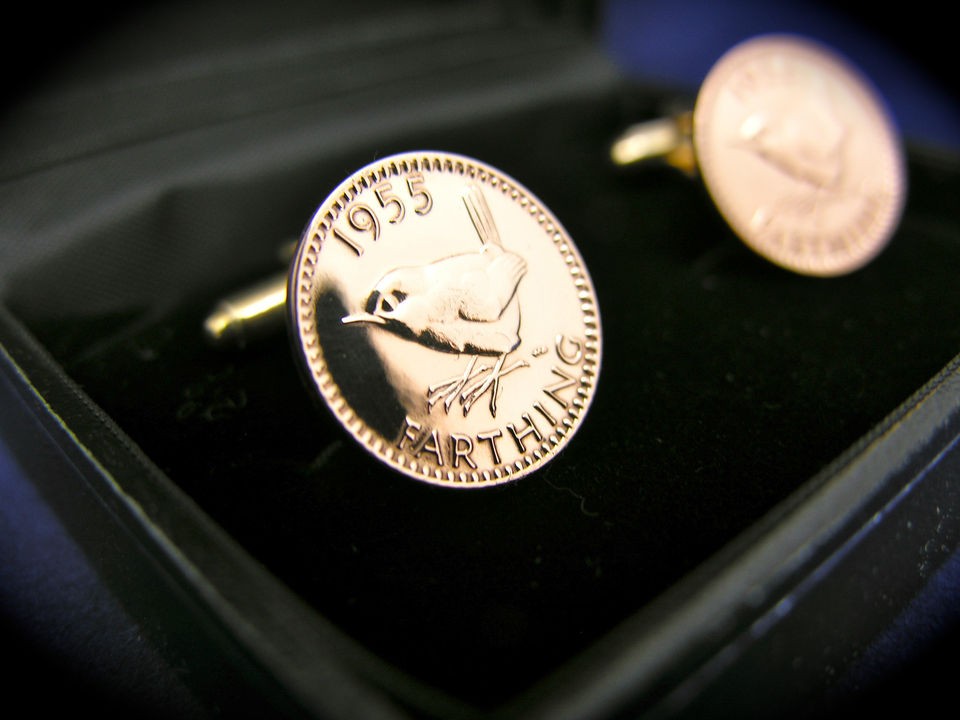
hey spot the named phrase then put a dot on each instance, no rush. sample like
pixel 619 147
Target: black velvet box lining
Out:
pixel 726 383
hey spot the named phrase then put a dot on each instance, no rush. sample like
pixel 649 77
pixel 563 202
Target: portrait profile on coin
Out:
pixel 447 319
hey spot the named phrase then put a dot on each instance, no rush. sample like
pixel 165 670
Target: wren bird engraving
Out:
pixel 802 140
pixel 464 303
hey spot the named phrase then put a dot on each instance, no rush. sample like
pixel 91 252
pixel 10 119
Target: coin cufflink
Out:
pixel 444 316
pixel 796 149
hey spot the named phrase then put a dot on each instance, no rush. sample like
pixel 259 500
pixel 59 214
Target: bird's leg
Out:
pixel 471 385
pixel 474 392
pixel 450 388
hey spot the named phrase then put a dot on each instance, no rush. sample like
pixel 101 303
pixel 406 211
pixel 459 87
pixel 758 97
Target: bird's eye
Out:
pixel 390 301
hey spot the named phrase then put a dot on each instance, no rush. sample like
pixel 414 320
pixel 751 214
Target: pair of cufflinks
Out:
pixel 446 318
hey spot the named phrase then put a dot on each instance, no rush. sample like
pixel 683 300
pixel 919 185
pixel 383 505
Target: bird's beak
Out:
pixel 362 317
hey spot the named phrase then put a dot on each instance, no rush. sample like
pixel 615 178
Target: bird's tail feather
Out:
pixel 480 215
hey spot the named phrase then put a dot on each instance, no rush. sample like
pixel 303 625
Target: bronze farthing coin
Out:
pixel 800 155
pixel 446 318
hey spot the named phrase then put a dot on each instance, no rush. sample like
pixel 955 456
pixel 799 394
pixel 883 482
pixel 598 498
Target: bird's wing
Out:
pixel 486 292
